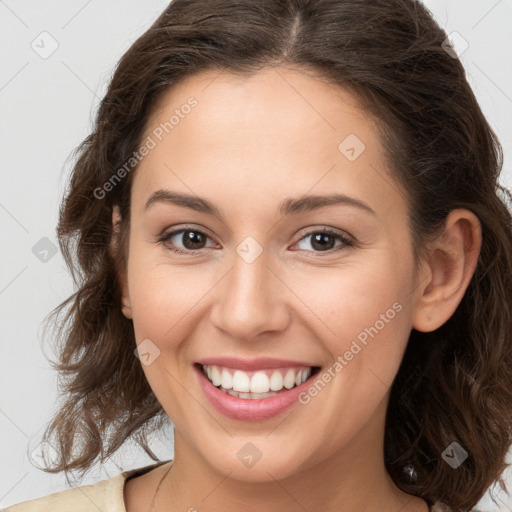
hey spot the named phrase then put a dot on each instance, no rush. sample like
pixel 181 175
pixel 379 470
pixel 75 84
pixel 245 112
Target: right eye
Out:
pixel 189 237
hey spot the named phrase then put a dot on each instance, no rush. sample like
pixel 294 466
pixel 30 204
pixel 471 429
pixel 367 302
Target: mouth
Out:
pixel 257 384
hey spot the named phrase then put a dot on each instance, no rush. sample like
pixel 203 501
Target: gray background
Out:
pixel 47 107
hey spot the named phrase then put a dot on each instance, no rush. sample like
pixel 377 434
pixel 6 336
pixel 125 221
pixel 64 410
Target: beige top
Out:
pixel 106 495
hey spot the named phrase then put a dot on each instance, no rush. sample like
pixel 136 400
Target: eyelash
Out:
pixel 345 241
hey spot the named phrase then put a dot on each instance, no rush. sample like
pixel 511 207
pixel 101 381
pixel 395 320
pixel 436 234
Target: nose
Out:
pixel 251 299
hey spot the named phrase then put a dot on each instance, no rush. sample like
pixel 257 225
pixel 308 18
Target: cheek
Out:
pixel 352 299
pixel 165 298
pixel 363 315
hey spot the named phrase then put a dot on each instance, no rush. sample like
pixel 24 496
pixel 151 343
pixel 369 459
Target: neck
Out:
pixel 352 478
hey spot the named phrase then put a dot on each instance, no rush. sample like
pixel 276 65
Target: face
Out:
pixel 263 272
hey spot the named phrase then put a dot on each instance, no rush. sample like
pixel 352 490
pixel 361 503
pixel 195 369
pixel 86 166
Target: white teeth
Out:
pixel 227 379
pixel 289 379
pixel 216 377
pixel 240 381
pixel 276 381
pixel 260 385
pixel 250 396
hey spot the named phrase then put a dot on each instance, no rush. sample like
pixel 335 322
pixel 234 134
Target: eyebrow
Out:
pixel 289 206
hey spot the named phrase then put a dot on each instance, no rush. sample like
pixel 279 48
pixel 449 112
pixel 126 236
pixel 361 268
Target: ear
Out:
pixel 123 278
pixel 445 275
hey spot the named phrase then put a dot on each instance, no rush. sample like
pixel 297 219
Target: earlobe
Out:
pixel 446 274
pixel 123 278
pixel 116 222
pixel 127 312
pixel 125 298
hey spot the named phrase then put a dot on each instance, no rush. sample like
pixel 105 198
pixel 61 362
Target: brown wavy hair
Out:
pixel 455 383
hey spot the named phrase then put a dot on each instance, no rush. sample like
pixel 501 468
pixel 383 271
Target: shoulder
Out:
pixel 105 495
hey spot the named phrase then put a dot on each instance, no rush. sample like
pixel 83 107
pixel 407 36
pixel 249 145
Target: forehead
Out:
pixel 274 133
pixel 272 101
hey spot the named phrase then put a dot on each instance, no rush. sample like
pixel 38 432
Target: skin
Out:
pixel 250 143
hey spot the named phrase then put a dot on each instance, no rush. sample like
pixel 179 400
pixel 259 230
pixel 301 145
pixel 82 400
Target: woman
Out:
pixel 290 242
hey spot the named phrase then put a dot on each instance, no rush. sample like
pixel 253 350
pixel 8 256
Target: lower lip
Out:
pixel 248 409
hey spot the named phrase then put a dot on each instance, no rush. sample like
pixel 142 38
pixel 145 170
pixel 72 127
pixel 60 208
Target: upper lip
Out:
pixel 259 363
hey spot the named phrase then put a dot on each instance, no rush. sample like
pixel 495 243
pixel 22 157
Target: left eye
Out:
pixel 193 240
pixel 325 238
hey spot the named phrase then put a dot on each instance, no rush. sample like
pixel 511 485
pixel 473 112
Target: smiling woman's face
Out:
pixel 257 279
